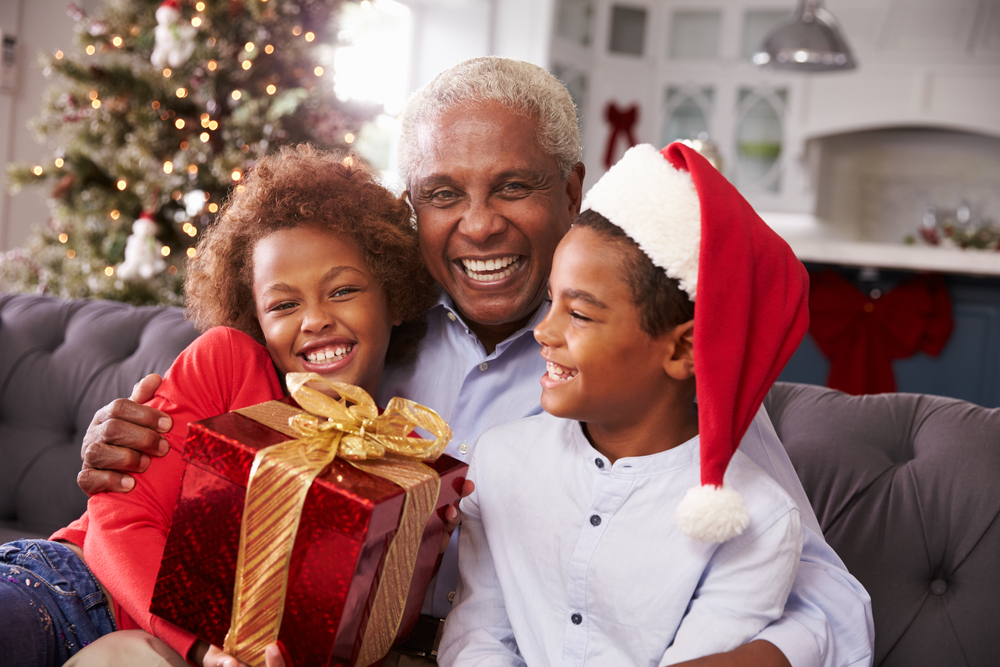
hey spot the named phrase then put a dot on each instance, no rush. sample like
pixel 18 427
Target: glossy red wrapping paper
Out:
pixel 348 522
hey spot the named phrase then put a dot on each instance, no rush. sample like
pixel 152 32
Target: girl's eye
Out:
pixel 344 291
pixel 284 305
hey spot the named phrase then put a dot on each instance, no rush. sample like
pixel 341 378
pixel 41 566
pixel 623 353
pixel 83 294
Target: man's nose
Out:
pixel 481 221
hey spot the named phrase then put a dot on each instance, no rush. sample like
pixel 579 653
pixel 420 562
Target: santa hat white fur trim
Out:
pixel 657 206
pixel 712 514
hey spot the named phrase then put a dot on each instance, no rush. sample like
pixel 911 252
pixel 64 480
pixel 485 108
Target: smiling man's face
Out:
pixel 491 208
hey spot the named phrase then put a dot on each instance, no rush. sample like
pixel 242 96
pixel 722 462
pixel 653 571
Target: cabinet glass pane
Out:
pixel 694 35
pixel 758 24
pixel 628 30
pixel 758 139
pixel 688 113
pixel 576 83
pixel 573 20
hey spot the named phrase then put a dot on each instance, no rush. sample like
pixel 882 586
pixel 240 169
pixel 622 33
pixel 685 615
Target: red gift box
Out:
pixel 348 522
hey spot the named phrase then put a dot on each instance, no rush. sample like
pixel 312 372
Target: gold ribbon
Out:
pixel 350 427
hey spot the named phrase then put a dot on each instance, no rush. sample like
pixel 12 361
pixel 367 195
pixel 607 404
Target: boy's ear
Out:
pixel 679 360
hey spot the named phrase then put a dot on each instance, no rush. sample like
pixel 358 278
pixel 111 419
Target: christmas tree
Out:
pixel 157 113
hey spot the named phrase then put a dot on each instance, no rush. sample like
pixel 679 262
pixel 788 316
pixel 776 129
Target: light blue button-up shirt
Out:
pixel 827 619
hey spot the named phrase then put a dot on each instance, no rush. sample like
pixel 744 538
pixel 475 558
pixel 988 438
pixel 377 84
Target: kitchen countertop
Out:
pixel 812 242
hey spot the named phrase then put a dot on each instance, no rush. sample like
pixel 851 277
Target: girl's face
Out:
pixel 320 308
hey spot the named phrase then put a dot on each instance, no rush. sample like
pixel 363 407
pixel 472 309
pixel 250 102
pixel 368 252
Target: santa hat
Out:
pixel 751 302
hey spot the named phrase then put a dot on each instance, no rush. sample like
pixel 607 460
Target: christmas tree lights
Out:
pixel 155 114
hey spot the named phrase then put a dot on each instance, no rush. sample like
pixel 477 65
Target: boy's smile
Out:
pixel 319 306
pixel 601 367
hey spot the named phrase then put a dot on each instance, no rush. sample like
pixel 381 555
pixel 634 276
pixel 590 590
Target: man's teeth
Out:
pixel 491 269
pixel 329 353
pixel 557 372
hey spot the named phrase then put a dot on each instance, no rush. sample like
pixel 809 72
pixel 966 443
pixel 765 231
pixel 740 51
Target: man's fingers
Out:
pixel 145 388
pixel 112 457
pixel 120 435
pixel 98 481
pixel 129 411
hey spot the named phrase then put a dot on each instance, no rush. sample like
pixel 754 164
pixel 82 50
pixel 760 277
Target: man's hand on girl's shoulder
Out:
pixel 121 438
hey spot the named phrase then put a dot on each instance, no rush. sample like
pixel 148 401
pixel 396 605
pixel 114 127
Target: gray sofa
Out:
pixel 906 487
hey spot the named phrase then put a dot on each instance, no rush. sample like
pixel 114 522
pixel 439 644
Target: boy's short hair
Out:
pixel 305 186
pixel 661 302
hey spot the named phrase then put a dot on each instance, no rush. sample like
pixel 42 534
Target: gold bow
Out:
pixel 350 427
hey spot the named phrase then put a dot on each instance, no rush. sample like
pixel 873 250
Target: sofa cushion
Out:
pixel 60 361
pixel 907 490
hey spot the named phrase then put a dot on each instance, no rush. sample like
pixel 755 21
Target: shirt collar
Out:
pixel 446 305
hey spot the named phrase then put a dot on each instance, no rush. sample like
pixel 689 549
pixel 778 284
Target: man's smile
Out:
pixel 491 269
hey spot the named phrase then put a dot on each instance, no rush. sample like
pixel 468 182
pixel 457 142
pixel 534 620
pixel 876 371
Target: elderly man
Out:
pixel 490 156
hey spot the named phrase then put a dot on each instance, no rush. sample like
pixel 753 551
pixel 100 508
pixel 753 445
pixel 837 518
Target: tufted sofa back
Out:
pixel 907 490
pixel 60 361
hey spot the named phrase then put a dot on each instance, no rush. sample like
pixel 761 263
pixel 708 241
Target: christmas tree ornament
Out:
pixel 174 40
pixel 142 254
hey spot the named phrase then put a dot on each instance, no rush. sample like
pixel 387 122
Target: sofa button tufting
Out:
pixel 938 587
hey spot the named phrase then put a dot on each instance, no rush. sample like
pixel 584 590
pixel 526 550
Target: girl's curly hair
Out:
pixel 299 186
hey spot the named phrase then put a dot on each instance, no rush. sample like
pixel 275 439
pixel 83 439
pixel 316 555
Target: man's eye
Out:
pixel 442 195
pixel 514 188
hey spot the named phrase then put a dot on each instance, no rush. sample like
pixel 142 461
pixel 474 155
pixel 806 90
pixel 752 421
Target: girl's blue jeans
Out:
pixel 51 605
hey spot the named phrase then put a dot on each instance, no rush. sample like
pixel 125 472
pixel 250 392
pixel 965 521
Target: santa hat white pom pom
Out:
pixel 712 514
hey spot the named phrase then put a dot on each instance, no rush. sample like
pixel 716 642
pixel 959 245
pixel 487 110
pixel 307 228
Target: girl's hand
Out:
pixel 215 657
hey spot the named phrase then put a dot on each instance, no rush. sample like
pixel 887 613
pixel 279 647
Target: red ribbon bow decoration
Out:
pixel 622 121
pixel 861 336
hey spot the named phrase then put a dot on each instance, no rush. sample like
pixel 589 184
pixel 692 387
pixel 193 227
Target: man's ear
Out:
pixel 574 189
pixel 679 361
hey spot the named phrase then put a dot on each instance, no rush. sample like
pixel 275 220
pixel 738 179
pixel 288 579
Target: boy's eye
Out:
pixel 284 305
pixel 577 316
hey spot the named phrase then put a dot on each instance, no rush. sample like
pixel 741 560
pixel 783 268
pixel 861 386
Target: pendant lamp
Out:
pixel 810 42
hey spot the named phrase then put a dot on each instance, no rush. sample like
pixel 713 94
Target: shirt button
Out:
pixel 483 366
pixel 464 448
pixel 595 520
pixel 451 596
pixel 576 618
pixel 451 316
pixel 599 463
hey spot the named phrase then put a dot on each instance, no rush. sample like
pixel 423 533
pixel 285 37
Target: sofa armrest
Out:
pixel 907 490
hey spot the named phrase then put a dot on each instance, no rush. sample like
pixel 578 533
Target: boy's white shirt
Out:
pixel 828 618
pixel 532 556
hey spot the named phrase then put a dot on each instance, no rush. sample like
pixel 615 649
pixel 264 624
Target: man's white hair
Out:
pixel 519 86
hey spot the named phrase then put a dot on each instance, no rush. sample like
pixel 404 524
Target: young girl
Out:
pixel 311 266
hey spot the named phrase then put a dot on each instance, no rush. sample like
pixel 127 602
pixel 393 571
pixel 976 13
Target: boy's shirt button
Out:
pixel 464 448
pixel 483 366
pixel 576 618
pixel 595 520
pixel 599 463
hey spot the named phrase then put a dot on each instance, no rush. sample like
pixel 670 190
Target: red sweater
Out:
pixel 123 534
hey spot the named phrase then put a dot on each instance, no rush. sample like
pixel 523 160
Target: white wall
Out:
pixel 40 26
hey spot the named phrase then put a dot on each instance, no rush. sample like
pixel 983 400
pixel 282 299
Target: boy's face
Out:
pixel 320 308
pixel 602 368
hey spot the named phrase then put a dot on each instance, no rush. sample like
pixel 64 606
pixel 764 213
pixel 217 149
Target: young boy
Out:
pixel 588 539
